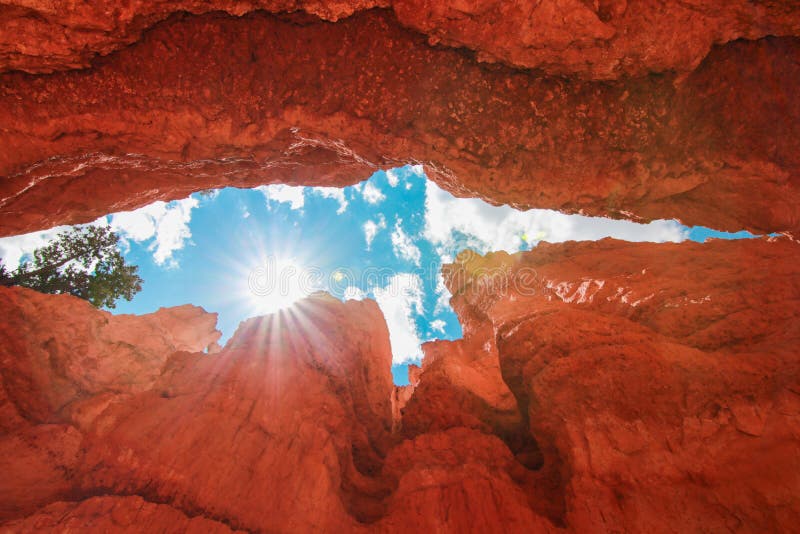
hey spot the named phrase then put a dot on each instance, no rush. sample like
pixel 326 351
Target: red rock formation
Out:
pixel 211 101
pixel 459 480
pixel 62 363
pixel 114 514
pixel 43 37
pixel 284 428
pixel 599 386
pixel 662 380
pixel 61 351
pixel 658 389
pixel 296 412
pixel 598 40
pixel 287 428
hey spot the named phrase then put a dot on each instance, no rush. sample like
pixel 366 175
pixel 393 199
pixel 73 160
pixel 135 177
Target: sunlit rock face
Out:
pixel 285 429
pixel 59 351
pixel 661 382
pixel 602 386
pixel 199 101
pixel 63 362
pixel 599 386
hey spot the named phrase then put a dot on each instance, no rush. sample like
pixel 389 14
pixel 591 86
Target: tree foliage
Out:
pixel 85 262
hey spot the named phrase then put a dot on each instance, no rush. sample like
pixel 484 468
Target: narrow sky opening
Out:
pixel 249 252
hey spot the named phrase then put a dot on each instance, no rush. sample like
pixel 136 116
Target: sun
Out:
pixel 268 273
pixel 278 282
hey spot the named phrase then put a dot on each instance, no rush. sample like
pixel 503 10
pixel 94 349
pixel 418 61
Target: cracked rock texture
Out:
pixel 707 134
pixel 599 387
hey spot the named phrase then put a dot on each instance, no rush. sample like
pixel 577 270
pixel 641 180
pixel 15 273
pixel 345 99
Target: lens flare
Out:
pixel 277 283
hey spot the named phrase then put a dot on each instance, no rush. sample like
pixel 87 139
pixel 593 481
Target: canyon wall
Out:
pixel 586 107
pixel 661 382
pixel 599 387
pixel 604 386
pixel 588 39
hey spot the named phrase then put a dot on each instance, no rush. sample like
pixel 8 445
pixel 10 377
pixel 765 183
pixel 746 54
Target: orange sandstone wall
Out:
pixel 601 386
pixel 590 39
pixel 709 137
pixel 661 382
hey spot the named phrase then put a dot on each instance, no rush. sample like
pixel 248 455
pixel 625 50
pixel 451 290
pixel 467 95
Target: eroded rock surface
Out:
pixel 114 514
pixel 214 100
pixel 597 40
pixel 62 362
pixel 602 386
pixel 60 351
pixel 598 387
pixel 41 37
pixel 663 380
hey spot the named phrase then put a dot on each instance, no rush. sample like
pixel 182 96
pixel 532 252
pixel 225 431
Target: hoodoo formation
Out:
pixel 599 386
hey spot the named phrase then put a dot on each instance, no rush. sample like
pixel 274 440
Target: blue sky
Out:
pixel 247 252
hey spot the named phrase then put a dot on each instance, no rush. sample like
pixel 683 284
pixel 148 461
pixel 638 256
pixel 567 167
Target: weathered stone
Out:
pixel 212 101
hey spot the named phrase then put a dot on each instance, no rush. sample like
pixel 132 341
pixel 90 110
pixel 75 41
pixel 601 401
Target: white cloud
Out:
pixel 295 195
pixel 393 177
pixel 167 222
pixel 291 194
pixel 438 325
pixel 138 225
pixel 399 300
pixel 335 193
pixel 372 194
pixel 484 227
pixel 371 229
pixel 402 245
pixel 354 293
pixel 443 294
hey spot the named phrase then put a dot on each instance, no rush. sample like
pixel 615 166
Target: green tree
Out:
pixel 85 262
